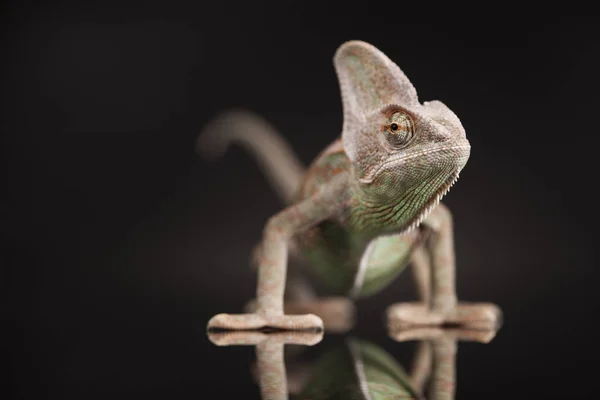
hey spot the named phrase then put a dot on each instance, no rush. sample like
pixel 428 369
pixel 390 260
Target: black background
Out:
pixel 120 242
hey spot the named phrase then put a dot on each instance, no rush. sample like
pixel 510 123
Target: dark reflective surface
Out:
pixel 354 368
pixel 155 347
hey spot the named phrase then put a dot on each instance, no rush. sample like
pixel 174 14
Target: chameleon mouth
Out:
pixel 433 201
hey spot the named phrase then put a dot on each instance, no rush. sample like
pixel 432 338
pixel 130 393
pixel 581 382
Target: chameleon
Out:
pixel 367 206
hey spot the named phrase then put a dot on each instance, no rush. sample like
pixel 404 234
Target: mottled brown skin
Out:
pixel 367 206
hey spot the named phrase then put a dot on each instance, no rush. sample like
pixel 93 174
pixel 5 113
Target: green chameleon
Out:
pixel 367 206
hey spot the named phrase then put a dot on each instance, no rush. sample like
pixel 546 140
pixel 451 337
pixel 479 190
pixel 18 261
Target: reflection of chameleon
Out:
pixel 354 211
pixel 357 369
pixel 360 370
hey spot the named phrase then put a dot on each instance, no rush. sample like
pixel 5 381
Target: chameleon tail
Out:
pixel 274 155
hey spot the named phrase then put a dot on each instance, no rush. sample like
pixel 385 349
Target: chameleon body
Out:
pixel 368 205
pixel 336 248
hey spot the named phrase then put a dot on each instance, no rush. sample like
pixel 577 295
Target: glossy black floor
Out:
pixel 120 242
pixel 142 345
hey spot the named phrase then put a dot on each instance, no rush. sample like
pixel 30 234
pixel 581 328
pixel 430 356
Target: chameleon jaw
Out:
pixel 432 203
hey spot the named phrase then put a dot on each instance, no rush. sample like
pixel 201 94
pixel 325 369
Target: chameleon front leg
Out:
pixel 421 270
pixel 338 313
pixel 272 263
pixel 440 246
pixel 434 269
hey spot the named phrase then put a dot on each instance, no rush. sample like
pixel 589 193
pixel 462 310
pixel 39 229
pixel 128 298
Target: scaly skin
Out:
pixel 354 212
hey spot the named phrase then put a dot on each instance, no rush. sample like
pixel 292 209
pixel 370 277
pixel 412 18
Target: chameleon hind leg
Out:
pixel 433 265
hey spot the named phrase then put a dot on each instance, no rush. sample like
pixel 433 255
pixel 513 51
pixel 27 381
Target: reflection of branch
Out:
pixel 436 357
pixel 269 355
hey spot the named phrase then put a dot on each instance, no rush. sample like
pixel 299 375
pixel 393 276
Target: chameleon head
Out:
pixel 405 154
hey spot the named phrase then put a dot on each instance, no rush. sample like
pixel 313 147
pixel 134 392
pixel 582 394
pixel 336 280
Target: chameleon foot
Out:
pixel 337 313
pixel 485 316
pixel 262 322
pixel 436 332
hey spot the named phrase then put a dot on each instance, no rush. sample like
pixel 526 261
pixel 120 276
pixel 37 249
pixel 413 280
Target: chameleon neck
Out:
pixel 374 215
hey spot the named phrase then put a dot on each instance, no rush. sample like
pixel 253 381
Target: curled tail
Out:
pixel 273 154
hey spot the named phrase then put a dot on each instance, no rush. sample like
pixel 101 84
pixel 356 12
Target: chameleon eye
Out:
pixel 400 129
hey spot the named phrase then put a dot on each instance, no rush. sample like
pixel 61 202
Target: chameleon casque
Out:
pixel 367 206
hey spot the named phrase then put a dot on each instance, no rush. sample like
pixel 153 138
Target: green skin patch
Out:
pixel 335 252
